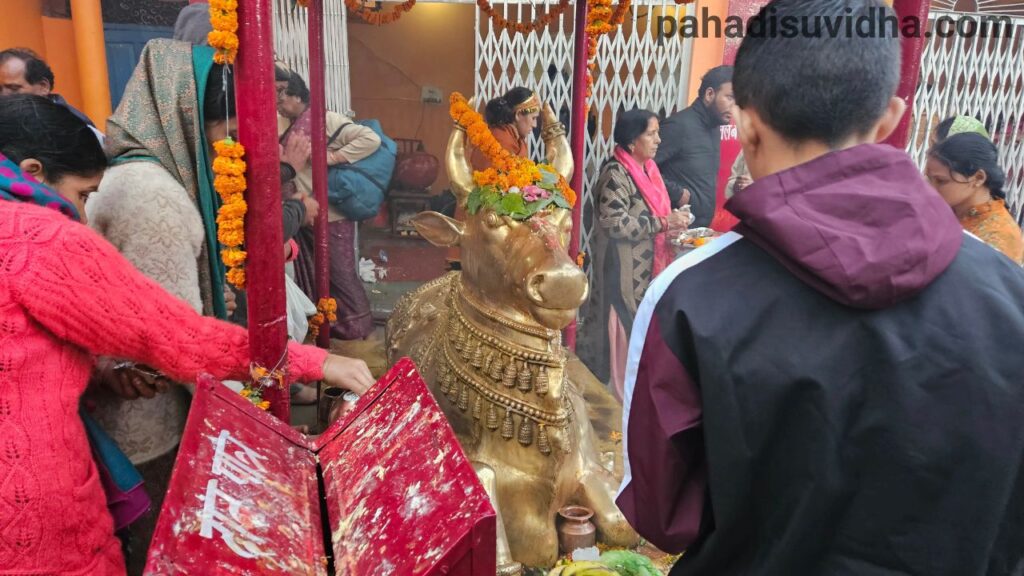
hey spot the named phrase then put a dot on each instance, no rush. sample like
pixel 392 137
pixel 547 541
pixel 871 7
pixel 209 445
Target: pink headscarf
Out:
pixel 652 188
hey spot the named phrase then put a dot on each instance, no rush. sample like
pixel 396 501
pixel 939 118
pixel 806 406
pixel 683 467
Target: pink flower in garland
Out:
pixel 534 193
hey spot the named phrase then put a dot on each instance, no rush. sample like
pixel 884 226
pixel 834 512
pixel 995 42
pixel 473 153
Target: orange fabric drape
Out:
pixel 509 139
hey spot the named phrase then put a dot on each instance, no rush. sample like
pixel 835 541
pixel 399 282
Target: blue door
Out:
pixel 124 45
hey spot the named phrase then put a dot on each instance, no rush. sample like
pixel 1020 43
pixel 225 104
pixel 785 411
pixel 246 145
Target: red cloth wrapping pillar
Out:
pixel 317 96
pixel 911 48
pixel 264 240
pixel 578 137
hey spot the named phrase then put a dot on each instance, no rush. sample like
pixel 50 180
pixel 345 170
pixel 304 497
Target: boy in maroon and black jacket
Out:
pixel 836 388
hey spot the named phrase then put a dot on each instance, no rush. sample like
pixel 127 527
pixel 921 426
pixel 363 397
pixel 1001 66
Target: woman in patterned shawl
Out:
pixel 157 205
pixel 964 169
pixel 635 222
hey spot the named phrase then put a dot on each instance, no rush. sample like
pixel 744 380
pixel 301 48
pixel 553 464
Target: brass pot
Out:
pixel 576 530
pixel 334 403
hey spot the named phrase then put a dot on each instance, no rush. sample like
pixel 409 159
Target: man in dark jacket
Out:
pixel 688 157
pixel 851 401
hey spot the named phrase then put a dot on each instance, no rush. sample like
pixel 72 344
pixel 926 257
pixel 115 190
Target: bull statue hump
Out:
pixel 487 340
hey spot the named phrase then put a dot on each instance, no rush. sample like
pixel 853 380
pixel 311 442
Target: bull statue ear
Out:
pixel 438 229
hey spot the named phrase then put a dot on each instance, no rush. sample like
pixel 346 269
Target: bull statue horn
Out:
pixel 460 173
pixel 556 146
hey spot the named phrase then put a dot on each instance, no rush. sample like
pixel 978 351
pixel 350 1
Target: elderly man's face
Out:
pixel 12 80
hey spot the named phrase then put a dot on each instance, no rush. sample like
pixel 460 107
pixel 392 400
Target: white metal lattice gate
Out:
pixel 634 71
pixel 979 74
pixel 291 45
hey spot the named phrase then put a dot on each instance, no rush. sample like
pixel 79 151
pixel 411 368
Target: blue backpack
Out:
pixel 357 189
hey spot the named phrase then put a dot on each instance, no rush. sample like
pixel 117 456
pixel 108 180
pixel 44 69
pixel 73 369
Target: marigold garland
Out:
pixel 601 20
pixel 224 20
pixel 376 17
pixel 229 182
pixel 508 173
pixel 540 23
pixel 326 308
pixel 260 380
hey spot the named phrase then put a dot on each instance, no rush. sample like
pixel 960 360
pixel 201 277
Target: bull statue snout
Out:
pixel 556 293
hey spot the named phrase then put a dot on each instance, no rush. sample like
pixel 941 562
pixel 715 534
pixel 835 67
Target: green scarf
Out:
pixel 160 120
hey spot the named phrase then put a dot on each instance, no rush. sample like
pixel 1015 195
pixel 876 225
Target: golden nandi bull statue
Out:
pixel 488 341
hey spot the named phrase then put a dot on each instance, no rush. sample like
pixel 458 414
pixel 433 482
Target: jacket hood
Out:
pixel 860 225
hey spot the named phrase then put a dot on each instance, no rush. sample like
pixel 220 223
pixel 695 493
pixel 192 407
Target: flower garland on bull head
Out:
pixel 512 186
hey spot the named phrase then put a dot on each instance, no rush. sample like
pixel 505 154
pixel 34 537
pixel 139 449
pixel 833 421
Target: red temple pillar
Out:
pixel 317 97
pixel 257 131
pixel 911 49
pixel 578 137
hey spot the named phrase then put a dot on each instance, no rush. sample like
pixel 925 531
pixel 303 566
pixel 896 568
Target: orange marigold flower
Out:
pixel 223 40
pixel 228 186
pixel 265 405
pixel 225 21
pixel 236 276
pixel 229 148
pixel 233 257
pixel 228 166
pixel 229 238
pixel 223 5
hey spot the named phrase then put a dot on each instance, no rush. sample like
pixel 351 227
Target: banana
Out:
pixel 584 568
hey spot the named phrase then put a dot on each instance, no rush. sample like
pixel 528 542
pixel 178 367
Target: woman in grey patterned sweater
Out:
pixel 634 221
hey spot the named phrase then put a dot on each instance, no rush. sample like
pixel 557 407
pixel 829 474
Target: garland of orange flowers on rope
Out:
pixel 229 182
pixel 224 19
pixel 600 21
pixel 542 22
pixel 326 309
pixel 507 171
pixel 379 18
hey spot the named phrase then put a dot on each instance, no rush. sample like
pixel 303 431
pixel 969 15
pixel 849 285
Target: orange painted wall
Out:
pixel 24 26
pixel 432 45
pixel 21 25
pixel 60 55
pixel 707 52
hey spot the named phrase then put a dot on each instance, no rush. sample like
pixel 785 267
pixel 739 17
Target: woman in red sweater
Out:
pixel 67 296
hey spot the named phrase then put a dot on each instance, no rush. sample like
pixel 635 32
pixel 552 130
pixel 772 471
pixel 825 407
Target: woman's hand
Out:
pixel 741 183
pixel 349 373
pixel 128 382
pixel 230 302
pixel 296 153
pixel 678 222
pixel 312 207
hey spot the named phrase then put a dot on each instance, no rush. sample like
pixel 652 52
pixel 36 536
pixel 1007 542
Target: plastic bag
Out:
pixel 300 308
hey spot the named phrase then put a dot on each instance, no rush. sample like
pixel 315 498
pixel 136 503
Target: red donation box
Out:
pixel 386 490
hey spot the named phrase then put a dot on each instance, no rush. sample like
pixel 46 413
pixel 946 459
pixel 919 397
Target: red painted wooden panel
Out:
pixel 401 496
pixel 243 497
